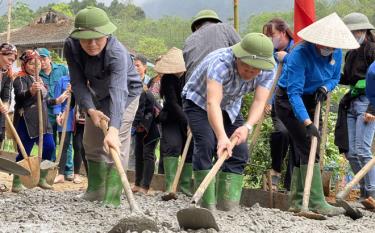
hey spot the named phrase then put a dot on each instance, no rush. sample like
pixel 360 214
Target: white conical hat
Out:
pixel 171 63
pixel 329 31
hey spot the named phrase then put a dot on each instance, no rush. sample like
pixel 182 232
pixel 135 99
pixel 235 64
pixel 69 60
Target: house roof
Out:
pixel 49 28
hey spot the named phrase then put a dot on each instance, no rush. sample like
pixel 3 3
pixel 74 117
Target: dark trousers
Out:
pixel 64 153
pixel 205 140
pixel 296 129
pixel 281 143
pixel 28 143
pixel 173 140
pixel 79 150
pixel 144 160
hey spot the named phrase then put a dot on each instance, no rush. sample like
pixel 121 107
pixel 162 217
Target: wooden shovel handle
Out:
pixel 63 132
pixel 124 179
pixel 182 162
pixel 311 163
pixel 256 133
pixel 343 193
pixel 207 180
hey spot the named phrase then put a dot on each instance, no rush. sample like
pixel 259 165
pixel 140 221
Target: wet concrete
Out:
pixel 38 210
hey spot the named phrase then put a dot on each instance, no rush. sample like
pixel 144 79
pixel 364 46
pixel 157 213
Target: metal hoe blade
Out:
pixel 196 218
pixel 353 213
pixel 13 167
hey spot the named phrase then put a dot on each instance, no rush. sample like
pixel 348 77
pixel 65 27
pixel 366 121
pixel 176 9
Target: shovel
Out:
pixel 137 221
pixel 354 213
pixel 28 162
pixel 197 218
pixel 172 195
pixel 52 172
pixel 9 166
pixel 310 169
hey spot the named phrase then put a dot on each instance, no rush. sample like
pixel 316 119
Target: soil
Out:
pixel 61 210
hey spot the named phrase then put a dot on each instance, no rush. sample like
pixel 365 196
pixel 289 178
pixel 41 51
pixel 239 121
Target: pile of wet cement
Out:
pixel 49 211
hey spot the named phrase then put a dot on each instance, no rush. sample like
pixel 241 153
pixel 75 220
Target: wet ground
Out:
pixel 38 210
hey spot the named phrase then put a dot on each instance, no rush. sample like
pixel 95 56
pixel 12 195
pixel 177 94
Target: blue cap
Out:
pixel 43 52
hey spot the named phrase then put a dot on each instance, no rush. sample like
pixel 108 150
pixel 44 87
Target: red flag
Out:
pixel 304 15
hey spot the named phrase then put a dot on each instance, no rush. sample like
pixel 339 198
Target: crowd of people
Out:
pixel 197 90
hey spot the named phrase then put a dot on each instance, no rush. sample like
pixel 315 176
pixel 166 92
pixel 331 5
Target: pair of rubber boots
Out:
pixel 104 184
pixel 317 202
pixel 17 185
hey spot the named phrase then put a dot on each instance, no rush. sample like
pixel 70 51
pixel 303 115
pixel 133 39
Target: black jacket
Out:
pixel 145 117
pixel 27 107
pixel 5 90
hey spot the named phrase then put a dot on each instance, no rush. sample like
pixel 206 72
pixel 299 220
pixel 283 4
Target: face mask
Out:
pixel 361 38
pixel 325 52
pixel 276 42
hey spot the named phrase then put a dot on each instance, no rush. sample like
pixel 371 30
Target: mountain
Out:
pixel 185 8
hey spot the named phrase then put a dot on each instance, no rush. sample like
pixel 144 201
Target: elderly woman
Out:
pixel 26 87
pixel 359 113
pixel 282 38
pixel 312 70
pixel 173 119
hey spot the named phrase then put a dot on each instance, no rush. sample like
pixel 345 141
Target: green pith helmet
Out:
pixel 92 23
pixel 357 21
pixel 204 14
pixel 256 50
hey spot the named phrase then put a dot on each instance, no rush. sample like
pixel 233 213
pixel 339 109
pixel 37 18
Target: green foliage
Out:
pixel 21 16
pixel 64 9
pixel 256 22
pixel 151 47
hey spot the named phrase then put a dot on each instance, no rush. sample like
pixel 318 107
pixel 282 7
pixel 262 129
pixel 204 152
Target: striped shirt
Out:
pixel 220 66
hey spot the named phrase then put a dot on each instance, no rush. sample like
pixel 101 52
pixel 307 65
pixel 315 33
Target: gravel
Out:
pixel 39 210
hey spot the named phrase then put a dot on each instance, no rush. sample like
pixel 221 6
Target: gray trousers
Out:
pixel 93 137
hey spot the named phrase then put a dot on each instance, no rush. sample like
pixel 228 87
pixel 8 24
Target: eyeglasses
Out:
pixel 6 49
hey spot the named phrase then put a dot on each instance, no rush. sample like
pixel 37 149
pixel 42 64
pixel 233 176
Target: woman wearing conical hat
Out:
pixel 173 119
pixel 360 114
pixel 311 71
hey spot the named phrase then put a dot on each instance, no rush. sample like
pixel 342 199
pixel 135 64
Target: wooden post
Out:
pixel 236 19
pixel 9 19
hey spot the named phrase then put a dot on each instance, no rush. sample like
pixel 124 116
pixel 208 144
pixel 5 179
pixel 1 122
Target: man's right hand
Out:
pixel 96 116
pixel 224 144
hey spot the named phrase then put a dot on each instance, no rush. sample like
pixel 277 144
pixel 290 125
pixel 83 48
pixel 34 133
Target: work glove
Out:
pixel 320 94
pixel 311 130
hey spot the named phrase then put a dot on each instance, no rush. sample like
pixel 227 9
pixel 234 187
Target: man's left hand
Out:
pixel 112 140
pixel 241 133
pixel 368 117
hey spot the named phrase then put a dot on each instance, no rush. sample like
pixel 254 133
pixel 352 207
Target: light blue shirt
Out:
pixel 220 66
pixel 305 71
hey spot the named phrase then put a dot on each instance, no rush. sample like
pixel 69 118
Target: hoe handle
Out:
pixel 182 162
pixel 207 180
pixel 121 171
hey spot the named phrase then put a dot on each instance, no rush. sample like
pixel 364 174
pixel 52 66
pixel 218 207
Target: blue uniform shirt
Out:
pixel 57 71
pixel 370 83
pixel 305 71
pixel 60 86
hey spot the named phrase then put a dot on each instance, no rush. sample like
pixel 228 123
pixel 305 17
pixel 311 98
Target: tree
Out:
pixel 151 47
pixel 64 9
pixel 21 16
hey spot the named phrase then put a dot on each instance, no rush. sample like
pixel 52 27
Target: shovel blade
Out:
pixel 32 180
pixel 353 213
pixel 196 218
pixel 13 167
pixel 47 164
pixel 51 175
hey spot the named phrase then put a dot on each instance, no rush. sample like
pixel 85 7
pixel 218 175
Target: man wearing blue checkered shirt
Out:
pixel 212 102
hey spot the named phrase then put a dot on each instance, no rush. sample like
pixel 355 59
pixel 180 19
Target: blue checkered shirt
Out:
pixel 220 66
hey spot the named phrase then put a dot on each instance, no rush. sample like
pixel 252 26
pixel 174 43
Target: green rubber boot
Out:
pixel 113 188
pixel 208 199
pixel 170 168
pixel 97 174
pixel 185 179
pixel 42 180
pixel 296 191
pixel 317 202
pixel 229 189
pixel 17 185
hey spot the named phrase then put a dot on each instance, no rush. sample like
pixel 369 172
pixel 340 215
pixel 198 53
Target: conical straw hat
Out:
pixel 172 62
pixel 329 31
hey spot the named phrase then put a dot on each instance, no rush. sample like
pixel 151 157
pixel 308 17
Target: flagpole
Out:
pixel 9 19
pixel 236 21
